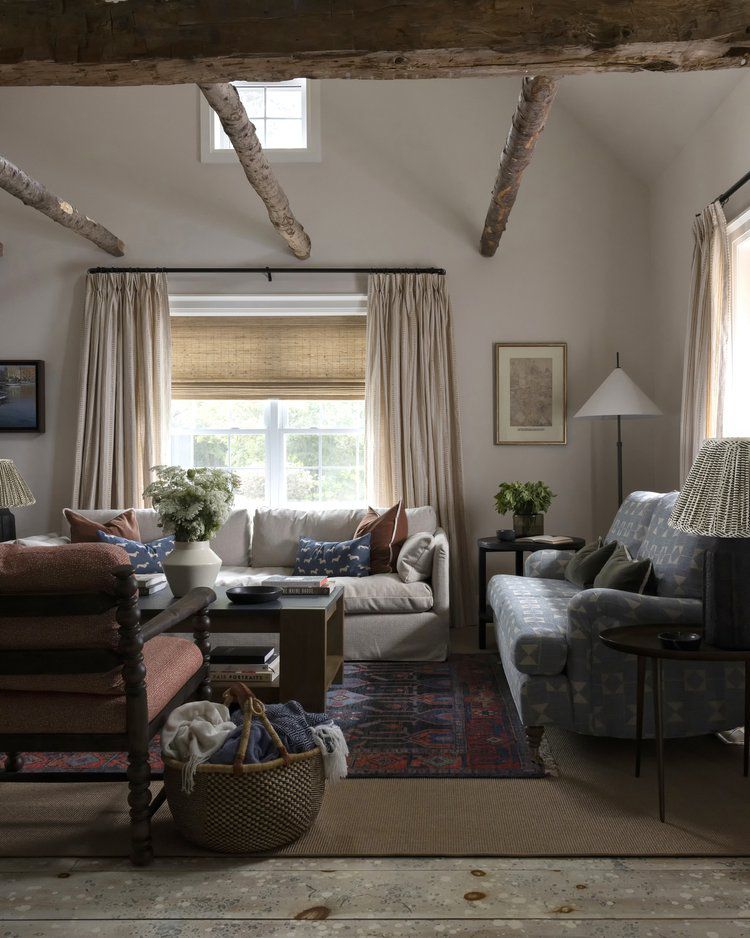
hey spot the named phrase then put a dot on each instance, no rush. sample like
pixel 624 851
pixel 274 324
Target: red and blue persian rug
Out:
pixel 432 719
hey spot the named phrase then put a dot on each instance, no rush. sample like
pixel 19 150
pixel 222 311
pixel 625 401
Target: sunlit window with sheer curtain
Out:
pixel 737 390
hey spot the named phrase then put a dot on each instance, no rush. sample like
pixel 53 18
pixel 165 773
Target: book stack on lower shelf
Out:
pixel 254 665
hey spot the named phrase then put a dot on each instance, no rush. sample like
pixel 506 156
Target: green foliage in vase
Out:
pixel 523 498
pixel 192 504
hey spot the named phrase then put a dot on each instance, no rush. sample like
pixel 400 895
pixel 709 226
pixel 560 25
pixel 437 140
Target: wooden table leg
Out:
pixel 519 563
pixel 746 754
pixel 335 638
pixel 482 599
pixel 640 692
pixel 658 725
pixel 302 647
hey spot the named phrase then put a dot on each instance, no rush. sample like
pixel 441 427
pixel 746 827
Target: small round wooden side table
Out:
pixel 643 641
pixel 491 545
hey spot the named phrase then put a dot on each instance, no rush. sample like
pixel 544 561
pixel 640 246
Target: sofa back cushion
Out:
pixel 632 520
pixel 677 557
pixel 70 568
pixel 276 531
pixel 231 543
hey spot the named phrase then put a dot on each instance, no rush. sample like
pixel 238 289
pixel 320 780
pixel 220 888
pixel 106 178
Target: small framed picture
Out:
pixel 21 396
pixel 530 393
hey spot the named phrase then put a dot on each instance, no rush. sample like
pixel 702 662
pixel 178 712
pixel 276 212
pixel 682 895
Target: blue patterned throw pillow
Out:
pixel 333 558
pixel 144 558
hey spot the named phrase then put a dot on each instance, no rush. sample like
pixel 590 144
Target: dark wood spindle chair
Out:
pixel 79 673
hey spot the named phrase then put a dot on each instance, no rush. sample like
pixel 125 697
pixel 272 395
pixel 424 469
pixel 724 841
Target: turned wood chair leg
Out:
pixel 13 761
pixel 139 799
pixel 534 736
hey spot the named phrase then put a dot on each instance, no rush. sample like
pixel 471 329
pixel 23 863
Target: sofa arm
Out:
pixel 592 610
pixel 440 573
pixel 547 564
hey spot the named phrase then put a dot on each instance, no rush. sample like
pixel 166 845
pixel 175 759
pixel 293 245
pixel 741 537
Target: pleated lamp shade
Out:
pixel 14 493
pixel 715 499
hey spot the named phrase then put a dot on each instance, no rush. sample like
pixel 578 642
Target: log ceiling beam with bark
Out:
pixel 136 42
pixel 33 193
pixel 532 110
pixel 224 99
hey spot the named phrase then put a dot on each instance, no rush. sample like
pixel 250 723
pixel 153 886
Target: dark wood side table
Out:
pixel 643 641
pixel 521 546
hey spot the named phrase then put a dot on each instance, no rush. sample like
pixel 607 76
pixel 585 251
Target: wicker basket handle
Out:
pixel 251 706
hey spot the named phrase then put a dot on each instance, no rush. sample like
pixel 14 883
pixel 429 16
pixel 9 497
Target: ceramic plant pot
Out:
pixel 528 525
pixel 191 564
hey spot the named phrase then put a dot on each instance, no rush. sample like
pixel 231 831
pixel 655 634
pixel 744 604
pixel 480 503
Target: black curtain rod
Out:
pixel 267 271
pixel 725 196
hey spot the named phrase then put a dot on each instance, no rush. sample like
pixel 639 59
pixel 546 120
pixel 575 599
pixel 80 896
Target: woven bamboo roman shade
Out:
pixel 259 357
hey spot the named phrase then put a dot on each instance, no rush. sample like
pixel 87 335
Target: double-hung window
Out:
pixel 278 399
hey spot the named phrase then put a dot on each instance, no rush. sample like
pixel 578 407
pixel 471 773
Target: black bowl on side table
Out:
pixel 247 595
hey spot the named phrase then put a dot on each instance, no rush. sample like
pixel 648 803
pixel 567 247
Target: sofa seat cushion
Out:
pixel 170 663
pixel 531 621
pixel 384 593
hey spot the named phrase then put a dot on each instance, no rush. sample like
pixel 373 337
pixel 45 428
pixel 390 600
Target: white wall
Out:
pixel 717 155
pixel 405 178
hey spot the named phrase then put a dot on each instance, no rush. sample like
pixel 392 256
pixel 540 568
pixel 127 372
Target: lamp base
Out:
pixel 726 592
pixel 7 525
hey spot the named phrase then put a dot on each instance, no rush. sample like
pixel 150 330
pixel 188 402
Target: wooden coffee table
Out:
pixel 311 639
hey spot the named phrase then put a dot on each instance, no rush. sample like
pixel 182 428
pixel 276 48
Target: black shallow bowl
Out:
pixel 245 595
pixel 681 641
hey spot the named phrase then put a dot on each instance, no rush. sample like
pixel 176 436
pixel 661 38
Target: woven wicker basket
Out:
pixel 248 808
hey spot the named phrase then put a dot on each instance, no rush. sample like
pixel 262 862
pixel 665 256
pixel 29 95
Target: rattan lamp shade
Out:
pixel 715 499
pixel 14 493
pixel 260 357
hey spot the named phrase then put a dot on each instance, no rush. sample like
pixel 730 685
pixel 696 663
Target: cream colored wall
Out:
pixel 405 179
pixel 717 155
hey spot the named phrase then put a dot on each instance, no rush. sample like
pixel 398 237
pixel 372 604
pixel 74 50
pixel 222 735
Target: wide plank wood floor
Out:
pixel 367 898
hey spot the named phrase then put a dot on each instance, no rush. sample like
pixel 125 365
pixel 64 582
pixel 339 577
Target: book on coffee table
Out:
pixel 301 585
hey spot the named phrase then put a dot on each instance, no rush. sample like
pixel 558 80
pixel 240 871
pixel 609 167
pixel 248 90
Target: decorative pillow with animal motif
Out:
pixel 144 558
pixel 333 558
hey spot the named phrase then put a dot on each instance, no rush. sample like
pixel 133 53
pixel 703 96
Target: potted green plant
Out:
pixel 527 502
pixel 192 504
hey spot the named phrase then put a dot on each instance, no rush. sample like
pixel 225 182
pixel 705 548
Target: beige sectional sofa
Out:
pixel 386 618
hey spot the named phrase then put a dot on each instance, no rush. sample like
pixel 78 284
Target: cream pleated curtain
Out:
pixel 123 415
pixel 411 410
pixel 709 337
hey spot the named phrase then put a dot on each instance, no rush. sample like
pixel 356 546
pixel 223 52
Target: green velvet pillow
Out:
pixel 586 563
pixel 621 572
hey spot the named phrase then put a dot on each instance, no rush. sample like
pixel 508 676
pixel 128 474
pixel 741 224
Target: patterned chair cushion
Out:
pixel 677 558
pixel 170 662
pixel 70 568
pixel 632 520
pixel 531 621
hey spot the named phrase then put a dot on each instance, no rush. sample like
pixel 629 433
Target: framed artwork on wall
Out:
pixel 530 393
pixel 21 396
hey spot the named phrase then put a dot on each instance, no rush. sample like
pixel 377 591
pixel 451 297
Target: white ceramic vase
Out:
pixel 191 564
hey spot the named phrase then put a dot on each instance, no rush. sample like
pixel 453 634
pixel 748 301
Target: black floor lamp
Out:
pixel 619 396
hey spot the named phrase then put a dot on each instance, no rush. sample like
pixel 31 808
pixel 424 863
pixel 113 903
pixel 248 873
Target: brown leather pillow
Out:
pixel 83 530
pixel 388 533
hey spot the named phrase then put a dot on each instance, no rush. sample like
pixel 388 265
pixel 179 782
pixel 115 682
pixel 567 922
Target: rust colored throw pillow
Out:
pixel 83 530
pixel 389 531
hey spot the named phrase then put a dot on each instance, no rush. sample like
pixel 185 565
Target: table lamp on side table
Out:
pixel 715 502
pixel 14 493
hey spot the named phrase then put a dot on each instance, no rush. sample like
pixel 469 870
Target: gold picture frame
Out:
pixel 531 393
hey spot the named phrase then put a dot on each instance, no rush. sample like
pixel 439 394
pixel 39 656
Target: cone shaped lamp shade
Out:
pixel 619 396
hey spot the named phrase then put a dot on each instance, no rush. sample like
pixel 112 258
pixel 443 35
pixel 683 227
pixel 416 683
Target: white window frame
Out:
pixel 275 413
pixel 738 233
pixel 311 153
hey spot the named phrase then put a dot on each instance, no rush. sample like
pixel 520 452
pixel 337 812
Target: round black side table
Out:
pixel 491 545
pixel 643 641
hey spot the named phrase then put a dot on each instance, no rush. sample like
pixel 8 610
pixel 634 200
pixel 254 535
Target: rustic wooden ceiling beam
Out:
pixel 532 110
pixel 33 193
pixel 224 99
pixel 93 42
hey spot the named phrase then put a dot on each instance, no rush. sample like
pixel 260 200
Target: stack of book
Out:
pixel 249 664
pixel 301 585
pixel 149 583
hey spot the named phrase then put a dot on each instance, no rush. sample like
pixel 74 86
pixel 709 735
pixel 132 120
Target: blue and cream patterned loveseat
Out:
pixel 560 673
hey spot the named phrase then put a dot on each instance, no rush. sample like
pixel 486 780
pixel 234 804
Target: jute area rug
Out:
pixel 594 807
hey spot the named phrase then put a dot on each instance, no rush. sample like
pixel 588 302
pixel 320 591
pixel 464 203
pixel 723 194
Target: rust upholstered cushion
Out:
pixel 388 532
pixel 170 662
pixel 71 568
pixel 83 530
